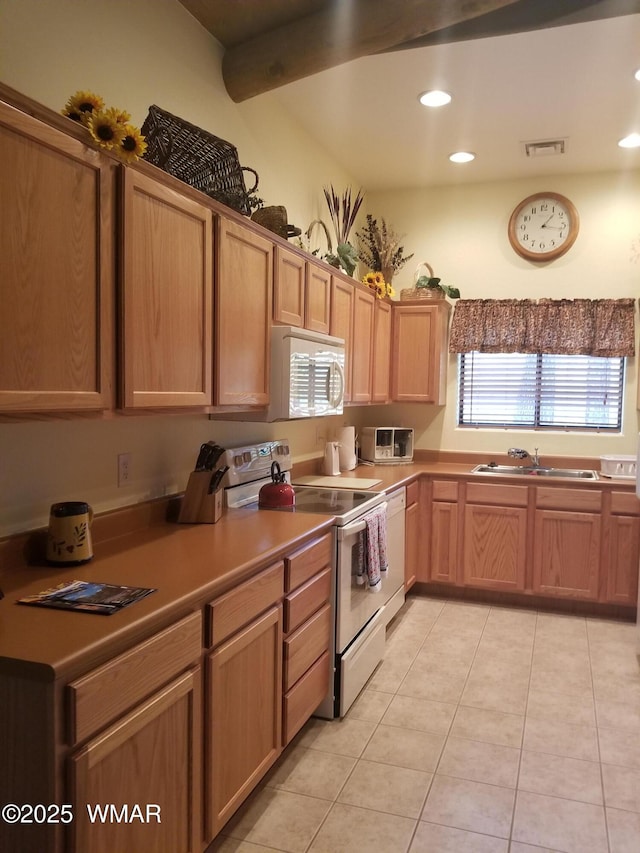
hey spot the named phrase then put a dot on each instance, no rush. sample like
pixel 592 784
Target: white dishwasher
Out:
pixel 394 583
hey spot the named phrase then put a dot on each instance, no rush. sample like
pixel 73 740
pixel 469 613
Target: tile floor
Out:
pixel 484 730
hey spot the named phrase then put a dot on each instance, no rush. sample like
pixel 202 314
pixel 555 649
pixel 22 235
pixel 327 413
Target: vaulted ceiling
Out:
pixel 519 70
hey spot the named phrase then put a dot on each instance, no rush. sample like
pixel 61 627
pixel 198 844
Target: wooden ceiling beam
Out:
pixel 340 33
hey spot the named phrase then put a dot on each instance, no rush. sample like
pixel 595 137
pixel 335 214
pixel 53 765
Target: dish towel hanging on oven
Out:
pixel 371 550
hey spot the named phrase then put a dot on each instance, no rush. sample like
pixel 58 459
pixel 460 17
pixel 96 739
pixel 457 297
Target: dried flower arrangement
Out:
pixel 109 128
pixel 343 212
pixel 380 248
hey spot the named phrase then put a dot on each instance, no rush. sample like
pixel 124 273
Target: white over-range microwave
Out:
pixel 307 374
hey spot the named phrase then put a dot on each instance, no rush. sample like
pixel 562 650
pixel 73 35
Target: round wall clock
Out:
pixel 543 226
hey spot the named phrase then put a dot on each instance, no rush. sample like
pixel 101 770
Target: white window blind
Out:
pixel 536 391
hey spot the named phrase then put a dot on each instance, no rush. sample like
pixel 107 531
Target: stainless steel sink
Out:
pixel 528 471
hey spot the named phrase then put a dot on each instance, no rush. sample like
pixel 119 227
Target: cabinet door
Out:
pixel 341 325
pixel 443 550
pixel 419 359
pixel 566 554
pixel 244 286
pixel 362 374
pixel 622 560
pixel 150 758
pixel 167 291
pixel 244 696
pixel 288 288
pixel 318 299
pixel 57 286
pixel 381 352
pixel 495 547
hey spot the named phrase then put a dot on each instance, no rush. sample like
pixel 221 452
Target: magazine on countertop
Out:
pixel 88 597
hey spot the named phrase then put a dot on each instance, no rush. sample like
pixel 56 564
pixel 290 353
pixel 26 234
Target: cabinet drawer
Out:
pixel 413 492
pixel 308 598
pixel 482 493
pixel 625 503
pixel 241 605
pixel 106 693
pixel 308 561
pixel 302 700
pixel 445 490
pixel 306 645
pixel 587 500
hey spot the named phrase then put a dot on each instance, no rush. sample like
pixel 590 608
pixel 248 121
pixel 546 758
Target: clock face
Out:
pixel 543 226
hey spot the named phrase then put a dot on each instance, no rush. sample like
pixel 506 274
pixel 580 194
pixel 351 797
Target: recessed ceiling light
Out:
pixel 434 98
pixel 637 74
pixel 462 157
pixel 631 141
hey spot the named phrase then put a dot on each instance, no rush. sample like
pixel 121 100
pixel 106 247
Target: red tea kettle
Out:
pixel 279 494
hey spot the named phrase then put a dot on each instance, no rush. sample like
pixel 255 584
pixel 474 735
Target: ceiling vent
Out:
pixel 544 148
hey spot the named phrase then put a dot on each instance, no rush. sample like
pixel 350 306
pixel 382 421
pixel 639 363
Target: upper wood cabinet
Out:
pixel 243 298
pixel 301 292
pixel 419 353
pixel 341 324
pixel 381 357
pixel 361 371
pixel 57 285
pixel 167 293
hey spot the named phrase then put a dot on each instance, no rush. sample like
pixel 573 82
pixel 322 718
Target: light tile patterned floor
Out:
pixel 484 730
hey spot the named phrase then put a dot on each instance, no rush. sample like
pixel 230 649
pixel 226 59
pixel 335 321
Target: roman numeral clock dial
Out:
pixel 543 226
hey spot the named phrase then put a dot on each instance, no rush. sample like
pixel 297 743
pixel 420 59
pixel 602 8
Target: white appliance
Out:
pixel 307 374
pixel 331 460
pixel 360 616
pixel 386 444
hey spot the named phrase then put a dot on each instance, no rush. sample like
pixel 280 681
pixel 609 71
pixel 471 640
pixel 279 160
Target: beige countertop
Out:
pixel 187 564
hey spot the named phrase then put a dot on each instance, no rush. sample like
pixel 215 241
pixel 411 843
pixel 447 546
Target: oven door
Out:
pixel 355 603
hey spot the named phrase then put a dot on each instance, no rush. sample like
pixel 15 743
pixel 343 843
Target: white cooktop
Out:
pixel 339 482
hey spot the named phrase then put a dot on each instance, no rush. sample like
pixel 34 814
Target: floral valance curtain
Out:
pixel 601 327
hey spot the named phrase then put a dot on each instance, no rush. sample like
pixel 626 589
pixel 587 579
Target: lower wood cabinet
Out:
pixel 580 544
pixel 566 554
pixel 244 697
pixel 495 547
pixel 146 769
pixel 243 692
pixel 443 544
pixel 566 551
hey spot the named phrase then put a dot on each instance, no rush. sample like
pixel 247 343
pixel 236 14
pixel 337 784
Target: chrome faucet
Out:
pixel 519 453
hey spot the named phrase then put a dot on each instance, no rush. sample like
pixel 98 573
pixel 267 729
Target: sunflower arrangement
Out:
pixel 381 288
pixel 109 128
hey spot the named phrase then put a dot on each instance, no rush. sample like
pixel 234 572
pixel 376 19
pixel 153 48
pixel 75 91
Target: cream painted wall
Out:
pixel 462 233
pixel 135 54
pixel 152 51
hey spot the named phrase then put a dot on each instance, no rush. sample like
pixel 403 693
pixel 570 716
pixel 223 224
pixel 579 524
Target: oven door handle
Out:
pixel 351 529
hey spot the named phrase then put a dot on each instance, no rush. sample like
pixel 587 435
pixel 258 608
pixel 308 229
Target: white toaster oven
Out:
pixel 386 444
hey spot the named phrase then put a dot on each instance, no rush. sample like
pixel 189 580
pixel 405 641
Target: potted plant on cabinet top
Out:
pixel 428 286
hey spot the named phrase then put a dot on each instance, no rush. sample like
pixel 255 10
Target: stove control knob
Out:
pixel 237 461
pixel 246 456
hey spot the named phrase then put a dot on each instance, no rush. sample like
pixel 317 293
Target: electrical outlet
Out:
pixel 124 468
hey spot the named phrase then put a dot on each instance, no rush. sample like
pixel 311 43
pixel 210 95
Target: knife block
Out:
pixel 198 506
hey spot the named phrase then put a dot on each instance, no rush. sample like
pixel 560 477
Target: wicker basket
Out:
pixel 422 292
pixel 198 158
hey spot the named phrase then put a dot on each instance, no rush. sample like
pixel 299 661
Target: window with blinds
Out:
pixel 536 391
